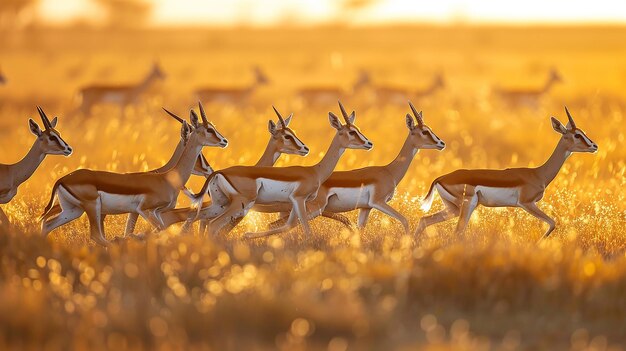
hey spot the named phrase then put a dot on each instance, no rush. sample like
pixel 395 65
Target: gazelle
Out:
pixel 283 140
pixel 201 168
pixel 232 95
pixel 48 142
pixel 528 97
pixel 401 94
pixel 249 186
pixel 372 187
pixel 99 193
pixel 122 95
pixel 327 94
pixel 462 190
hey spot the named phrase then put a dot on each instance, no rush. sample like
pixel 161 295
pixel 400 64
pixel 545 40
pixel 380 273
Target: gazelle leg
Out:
pixel 290 223
pixel 130 223
pixel 280 221
pixel 390 211
pixel 364 214
pixel 451 211
pixel 338 217
pixel 67 212
pixel 299 206
pixel 92 209
pixel 467 207
pixel 236 209
pixel 537 212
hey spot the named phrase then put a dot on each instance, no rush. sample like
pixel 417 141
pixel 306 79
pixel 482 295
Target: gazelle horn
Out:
pixel 44 118
pixel 202 114
pixel 571 120
pixel 343 112
pixel 418 115
pixel 173 115
pixel 280 118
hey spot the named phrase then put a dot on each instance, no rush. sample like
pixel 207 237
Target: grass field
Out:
pixel 494 288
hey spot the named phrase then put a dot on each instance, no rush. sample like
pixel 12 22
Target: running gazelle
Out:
pixel 122 95
pixel 232 95
pixel 48 142
pixel 283 140
pixel 295 185
pixel 462 190
pixel 99 193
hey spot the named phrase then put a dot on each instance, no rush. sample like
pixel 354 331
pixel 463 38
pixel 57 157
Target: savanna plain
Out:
pixel 496 287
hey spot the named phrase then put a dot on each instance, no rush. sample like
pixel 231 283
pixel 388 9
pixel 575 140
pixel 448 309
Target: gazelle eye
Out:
pixel 577 136
pixel 352 133
pixel 424 132
pixel 289 137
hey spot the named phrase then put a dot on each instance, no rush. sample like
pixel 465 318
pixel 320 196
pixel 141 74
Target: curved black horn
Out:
pixel 571 120
pixel 44 118
pixel 343 112
pixel 280 118
pixel 202 114
pixel 173 115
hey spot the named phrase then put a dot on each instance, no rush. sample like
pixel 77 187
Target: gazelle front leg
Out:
pixel 451 211
pixel 364 214
pixel 94 214
pixel 130 223
pixel 532 208
pixel 390 211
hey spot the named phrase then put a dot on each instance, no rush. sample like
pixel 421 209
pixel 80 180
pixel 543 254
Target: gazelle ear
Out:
pixel 193 117
pixel 334 121
pixel 288 120
pixel 34 127
pixel 185 130
pixel 271 126
pixel 558 126
pixel 54 121
pixel 410 122
pixel 352 117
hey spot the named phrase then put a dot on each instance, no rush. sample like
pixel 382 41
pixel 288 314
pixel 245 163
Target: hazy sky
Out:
pixel 268 12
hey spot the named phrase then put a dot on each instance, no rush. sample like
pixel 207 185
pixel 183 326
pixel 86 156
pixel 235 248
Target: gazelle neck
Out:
pixel 549 170
pixel 182 171
pixel 270 155
pixel 174 159
pixel 399 166
pixel 27 165
pixel 328 163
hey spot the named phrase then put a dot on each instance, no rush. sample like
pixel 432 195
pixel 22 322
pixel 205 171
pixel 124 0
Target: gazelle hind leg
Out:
pixel 537 212
pixel 451 211
pixel 130 223
pixel 364 214
pixel 4 220
pixel 67 211
pixel 238 207
pixel 467 208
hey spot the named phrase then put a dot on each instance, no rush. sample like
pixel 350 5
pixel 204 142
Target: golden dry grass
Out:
pixel 492 289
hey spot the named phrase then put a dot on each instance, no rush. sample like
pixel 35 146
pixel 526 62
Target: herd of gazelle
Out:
pixel 299 193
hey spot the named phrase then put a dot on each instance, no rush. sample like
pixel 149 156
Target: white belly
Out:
pixel 496 197
pixel 118 204
pixel 348 199
pixel 271 191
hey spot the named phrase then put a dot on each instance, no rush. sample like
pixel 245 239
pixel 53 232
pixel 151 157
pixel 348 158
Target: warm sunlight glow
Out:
pixel 307 12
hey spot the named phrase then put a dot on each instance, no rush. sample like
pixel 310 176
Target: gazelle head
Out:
pixel 259 76
pixel 350 137
pixel 49 138
pixel 574 138
pixel 205 131
pixel 156 72
pixel 421 135
pixel 202 166
pixel 285 139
